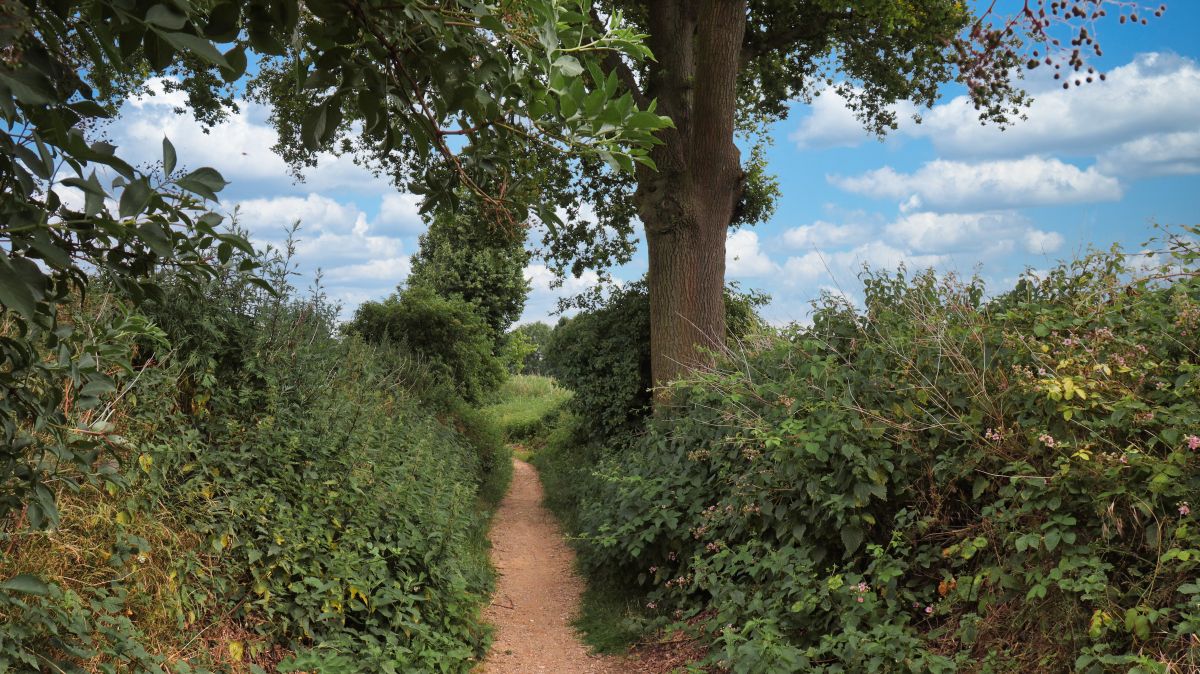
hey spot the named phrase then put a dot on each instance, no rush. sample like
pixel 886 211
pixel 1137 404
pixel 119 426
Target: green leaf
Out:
pixel 15 294
pixel 201 48
pixel 168 156
pixel 1041 330
pixel 135 198
pixel 205 182
pixel 165 17
pixel 852 537
pixel 568 65
pixel 26 584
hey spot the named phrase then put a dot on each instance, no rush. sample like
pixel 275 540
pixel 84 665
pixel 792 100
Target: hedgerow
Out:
pixel 939 482
pixel 276 496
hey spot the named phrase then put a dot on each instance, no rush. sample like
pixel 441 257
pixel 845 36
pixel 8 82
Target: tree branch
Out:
pixel 612 63
pixel 804 29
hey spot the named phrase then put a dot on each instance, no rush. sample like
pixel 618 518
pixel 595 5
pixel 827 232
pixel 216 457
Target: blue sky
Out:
pixel 1089 167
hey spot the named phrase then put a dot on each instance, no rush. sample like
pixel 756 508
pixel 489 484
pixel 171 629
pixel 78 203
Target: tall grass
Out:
pixel 527 404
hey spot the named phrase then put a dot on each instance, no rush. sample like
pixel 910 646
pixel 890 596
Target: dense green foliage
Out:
pixel 446 333
pixel 272 484
pixel 603 355
pixel 463 255
pixel 528 407
pixel 537 335
pixel 938 483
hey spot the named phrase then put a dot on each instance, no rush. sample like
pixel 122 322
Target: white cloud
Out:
pixel 239 147
pixel 384 271
pixel 314 211
pixel 542 301
pixel 744 258
pixel 943 185
pixel 831 123
pixel 843 266
pixel 1040 242
pixel 821 234
pixel 1139 108
pixel 1154 93
pixel 1160 154
pixel 986 234
pixel 402 211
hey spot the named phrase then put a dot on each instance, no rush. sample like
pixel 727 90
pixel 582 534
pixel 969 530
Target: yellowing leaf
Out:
pixel 146 462
pixel 236 650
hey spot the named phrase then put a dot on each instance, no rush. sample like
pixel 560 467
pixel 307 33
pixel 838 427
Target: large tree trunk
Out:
pixel 688 204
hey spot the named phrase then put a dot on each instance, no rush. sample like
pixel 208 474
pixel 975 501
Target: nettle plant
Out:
pixel 942 482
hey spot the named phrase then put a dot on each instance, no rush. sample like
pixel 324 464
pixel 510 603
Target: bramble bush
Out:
pixel 939 482
pixel 603 356
pixel 448 333
pixel 279 497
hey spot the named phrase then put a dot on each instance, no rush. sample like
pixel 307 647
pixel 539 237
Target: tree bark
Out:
pixel 688 205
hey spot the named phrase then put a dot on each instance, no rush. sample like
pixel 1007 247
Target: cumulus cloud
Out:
pixel 387 272
pixel 1160 154
pixel 401 211
pixel 1155 94
pixel 239 147
pixel 842 266
pixel 543 296
pixel 831 123
pixel 820 234
pixel 743 256
pixel 943 185
pixel 985 233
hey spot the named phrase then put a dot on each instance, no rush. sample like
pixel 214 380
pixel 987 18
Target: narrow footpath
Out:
pixel 537 592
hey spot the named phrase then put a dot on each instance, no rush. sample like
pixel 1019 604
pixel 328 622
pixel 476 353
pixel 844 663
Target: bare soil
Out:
pixel 537 592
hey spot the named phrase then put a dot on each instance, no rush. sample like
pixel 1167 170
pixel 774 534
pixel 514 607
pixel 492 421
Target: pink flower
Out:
pixel 860 599
pixel 929 609
pixel 1047 439
pixel 1193 442
pixel 1184 509
pixel 651 605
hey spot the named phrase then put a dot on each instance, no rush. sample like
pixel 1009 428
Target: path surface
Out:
pixel 537 592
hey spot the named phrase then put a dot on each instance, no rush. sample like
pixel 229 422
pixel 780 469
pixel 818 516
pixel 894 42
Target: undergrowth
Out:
pixel 938 482
pixel 274 496
pixel 526 409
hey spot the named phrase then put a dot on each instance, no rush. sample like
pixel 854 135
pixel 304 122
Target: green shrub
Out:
pixel 603 356
pixel 447 333
pixel 274 485
pixel 939 483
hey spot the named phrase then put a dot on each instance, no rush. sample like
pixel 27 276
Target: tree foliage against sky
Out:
pixel 462 255
pixel 402 79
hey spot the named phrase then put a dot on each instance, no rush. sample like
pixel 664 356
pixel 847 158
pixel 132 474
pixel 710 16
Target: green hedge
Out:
pixel 277 485
pixel 938 483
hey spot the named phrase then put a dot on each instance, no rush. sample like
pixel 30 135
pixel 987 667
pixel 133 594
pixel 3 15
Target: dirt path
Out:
pixel 537 593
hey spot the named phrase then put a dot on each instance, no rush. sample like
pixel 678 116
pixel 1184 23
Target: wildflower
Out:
pixel 1193 442
pixel 1047 439
pixel 860 599
pixel 1068 341
pixel 1184 509
pixel 1124 459
pixel 993 435
pixel 651 605
pixel 654 569
pixel 863 587
pixel 929 608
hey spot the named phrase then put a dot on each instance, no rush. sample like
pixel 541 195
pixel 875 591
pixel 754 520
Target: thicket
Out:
pixel 273 495
pixel 937 482
pixel 603 355
pixel 446 333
